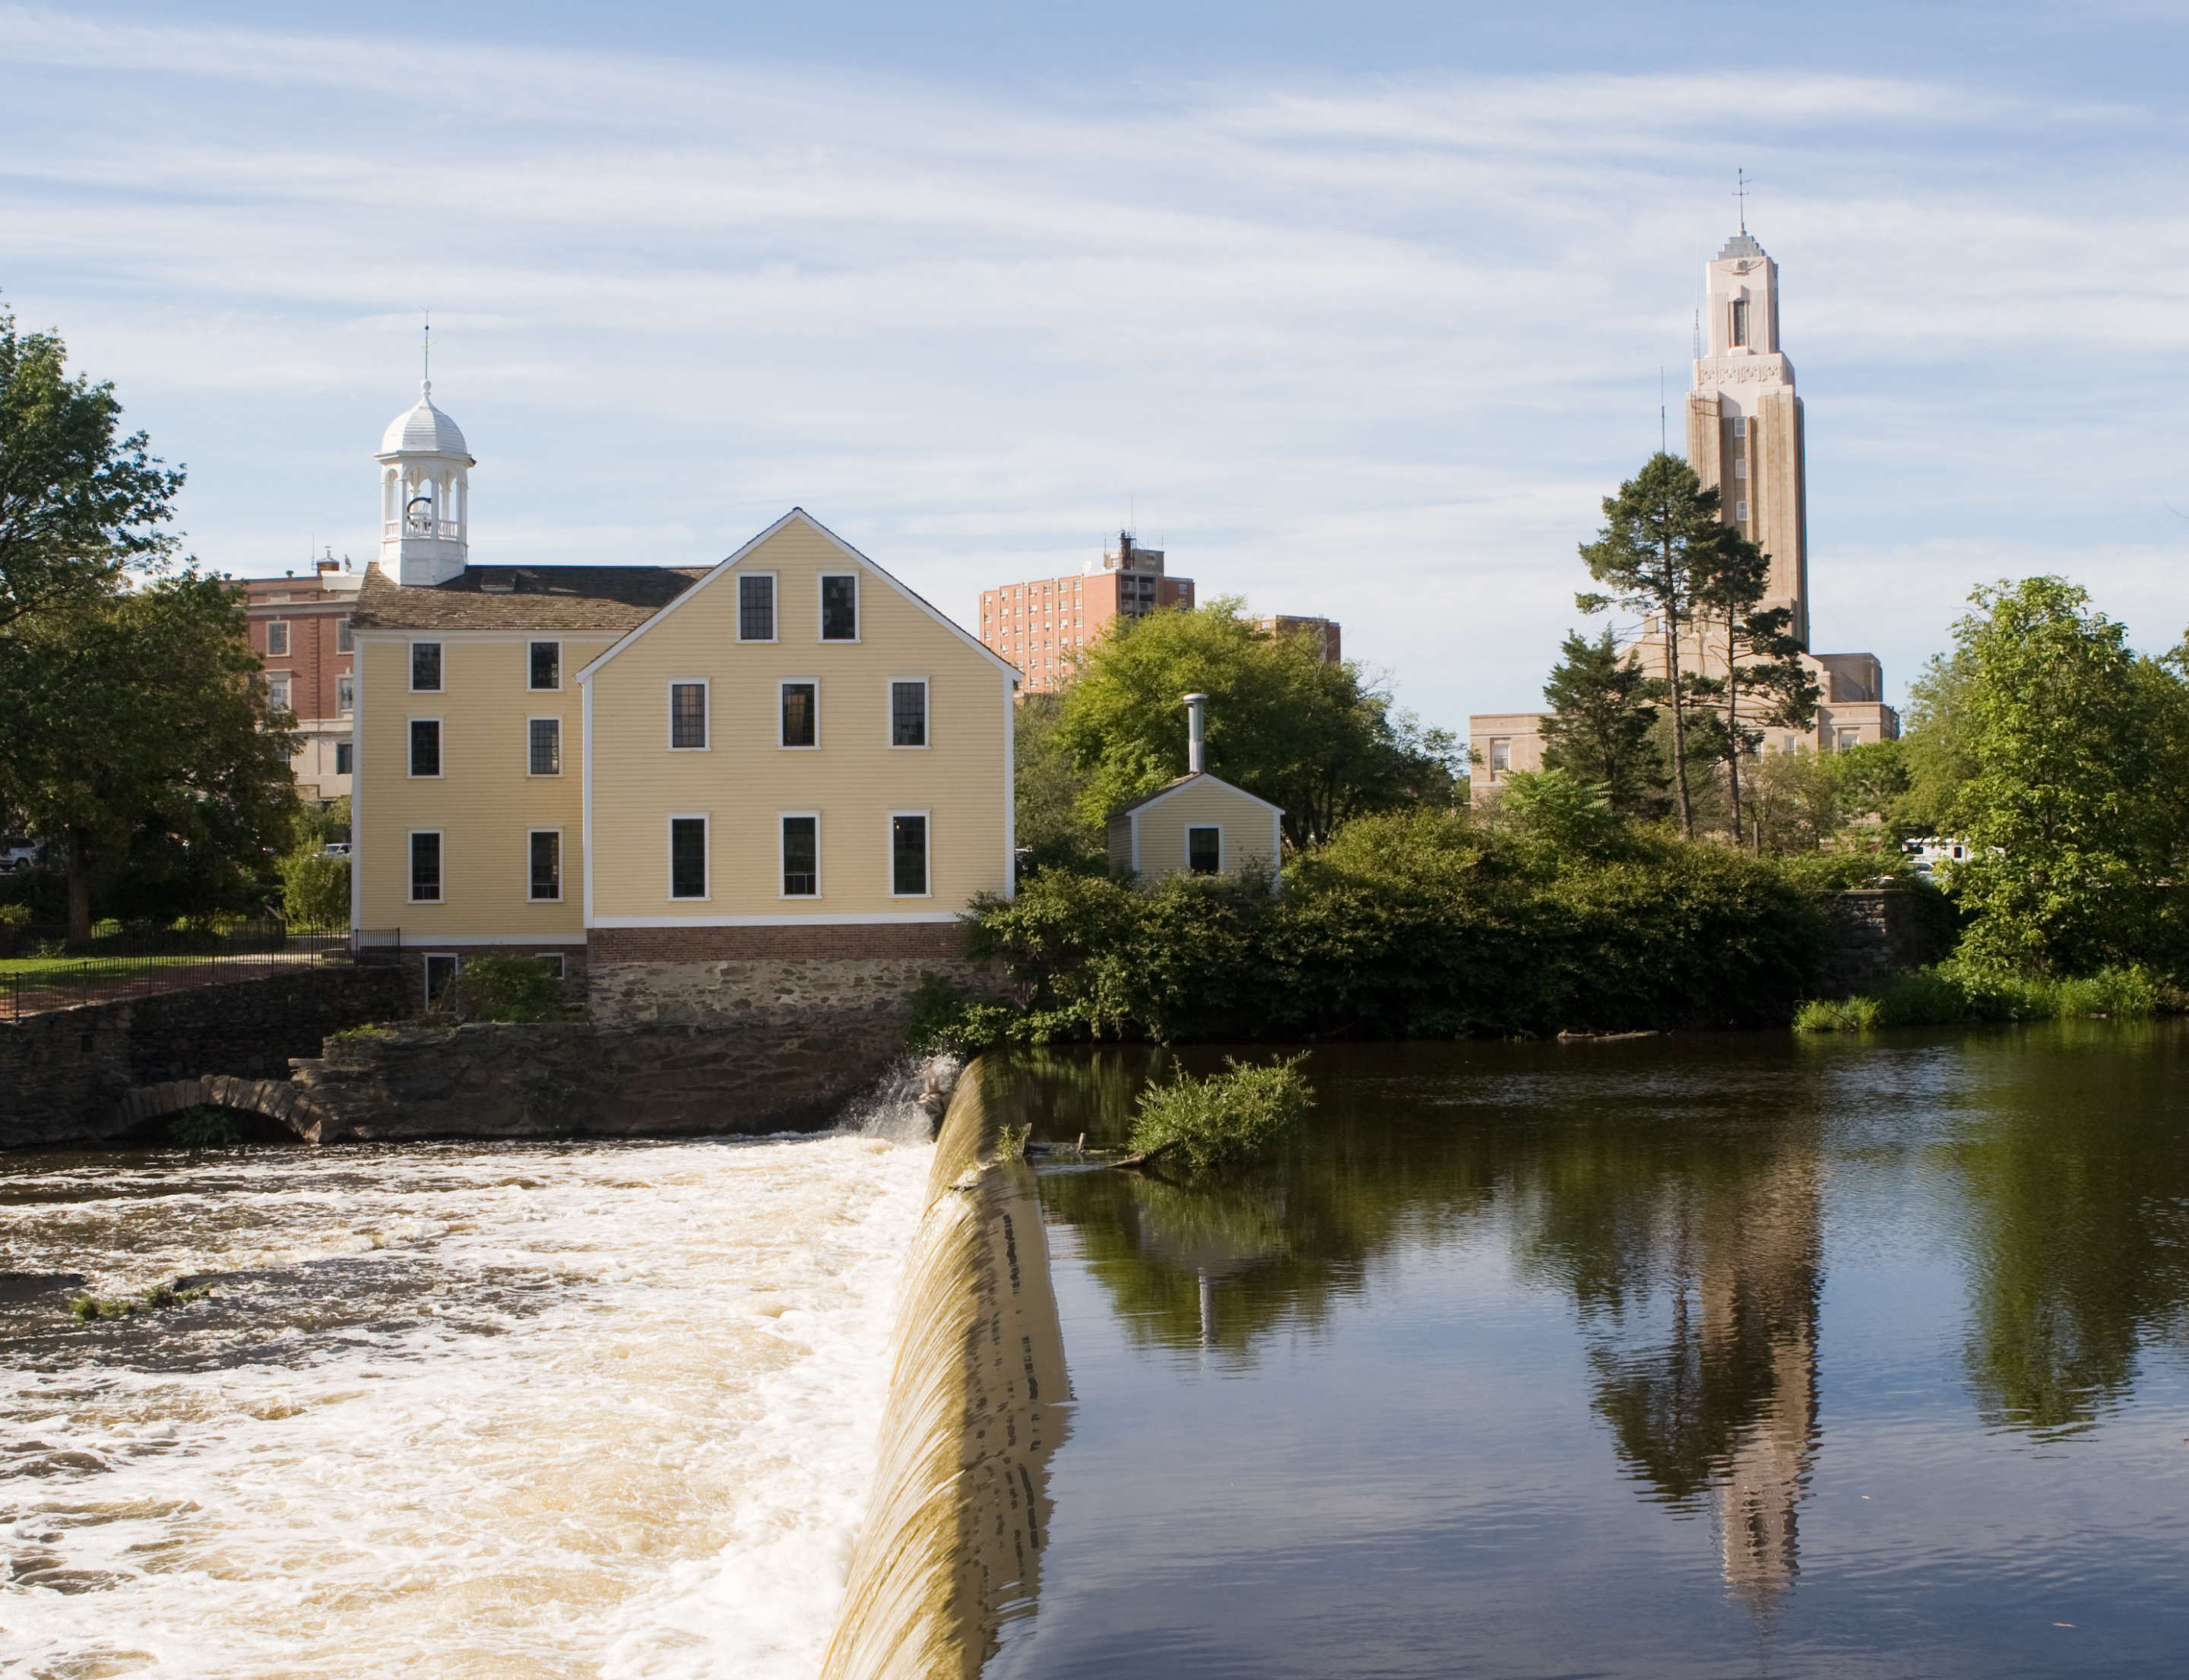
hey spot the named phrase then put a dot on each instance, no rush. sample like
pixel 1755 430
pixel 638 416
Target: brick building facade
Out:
pixel 300 628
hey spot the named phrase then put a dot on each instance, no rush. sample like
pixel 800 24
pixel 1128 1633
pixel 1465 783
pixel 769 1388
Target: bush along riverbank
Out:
pixel 1418 924
pixel 1956 993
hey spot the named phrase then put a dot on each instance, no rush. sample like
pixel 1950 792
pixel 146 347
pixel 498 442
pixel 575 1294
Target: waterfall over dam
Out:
pixel 978 1402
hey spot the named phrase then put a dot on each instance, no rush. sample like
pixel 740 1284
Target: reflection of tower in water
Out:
pixel 1724 1411
pixel 1759 1289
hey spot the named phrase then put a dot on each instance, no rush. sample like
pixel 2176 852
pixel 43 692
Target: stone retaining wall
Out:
pixel 876 990
pixel 565 1079
pixel 64 1073
pixel 1876 931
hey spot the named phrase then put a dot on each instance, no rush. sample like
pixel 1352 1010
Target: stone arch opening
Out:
pixel 271 1109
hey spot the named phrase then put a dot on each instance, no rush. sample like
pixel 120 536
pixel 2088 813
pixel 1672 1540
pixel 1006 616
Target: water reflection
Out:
pixel 1676 1194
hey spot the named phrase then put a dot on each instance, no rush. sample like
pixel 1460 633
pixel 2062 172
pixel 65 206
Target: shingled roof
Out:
pixel 525 597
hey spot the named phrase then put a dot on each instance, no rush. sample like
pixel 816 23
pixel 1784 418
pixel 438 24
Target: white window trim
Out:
pixel 1220 847
pixel 889 860
pixel 706 854
pixel 282 652
pixel 782 816
pixel 555 718
pixel 409 751
pixel 774 609
pixel 410 655
pixel 284 679
pixel 926 714
pixel 410 871
pixel 859 611
pixel 349 680
pixel 532 641
pixel 562 892
pixel 782 683
pixel 669 723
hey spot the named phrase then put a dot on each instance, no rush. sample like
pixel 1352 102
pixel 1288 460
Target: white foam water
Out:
pixel 458 1410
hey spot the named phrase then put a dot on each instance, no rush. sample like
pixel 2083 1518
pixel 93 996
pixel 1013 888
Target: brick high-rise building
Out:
pixel 300 628
pixel 1038 624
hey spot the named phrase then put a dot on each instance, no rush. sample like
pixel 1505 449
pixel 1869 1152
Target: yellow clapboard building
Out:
pixel 673 780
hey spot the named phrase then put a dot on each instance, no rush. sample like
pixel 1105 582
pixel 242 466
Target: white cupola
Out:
pixel 425 495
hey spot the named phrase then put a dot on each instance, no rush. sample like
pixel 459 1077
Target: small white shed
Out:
pixel 1199 824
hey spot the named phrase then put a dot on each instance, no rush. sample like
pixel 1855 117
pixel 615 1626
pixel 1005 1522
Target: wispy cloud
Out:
pixel 1371 347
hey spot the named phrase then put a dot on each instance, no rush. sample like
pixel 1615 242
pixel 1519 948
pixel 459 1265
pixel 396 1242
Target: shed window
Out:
pixel 756 608
pixel 1204 850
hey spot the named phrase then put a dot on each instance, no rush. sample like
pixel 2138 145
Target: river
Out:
pixel 1661 1359
pixel 456 1409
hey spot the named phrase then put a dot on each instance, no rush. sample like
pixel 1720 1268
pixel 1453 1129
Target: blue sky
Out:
pixel 1357 309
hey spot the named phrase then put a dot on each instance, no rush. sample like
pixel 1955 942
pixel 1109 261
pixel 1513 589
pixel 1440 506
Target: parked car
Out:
pixel 335 849
pixel 18 854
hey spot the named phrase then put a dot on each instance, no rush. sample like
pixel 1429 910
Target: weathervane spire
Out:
pixel 426 383
pixel 1740 192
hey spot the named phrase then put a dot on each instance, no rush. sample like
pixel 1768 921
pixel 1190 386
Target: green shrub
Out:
pixel 14 920
pixel 1955 993
pixel 315 887
pixel 203 1128
pixel 1418 924
pixel 503 989
pixel 1231 1119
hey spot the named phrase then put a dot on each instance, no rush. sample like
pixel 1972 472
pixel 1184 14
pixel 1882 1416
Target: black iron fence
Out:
pixel 39 972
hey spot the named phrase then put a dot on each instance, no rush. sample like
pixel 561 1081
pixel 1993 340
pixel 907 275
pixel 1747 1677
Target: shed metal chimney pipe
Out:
pixel 1193 702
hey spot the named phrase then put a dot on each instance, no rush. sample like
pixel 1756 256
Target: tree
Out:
pixel 2073 812
pixel 141 715
pixel 1602 708
pixel 1048 785
pixel 1287 726
pixel 1662 551
pixel 77 505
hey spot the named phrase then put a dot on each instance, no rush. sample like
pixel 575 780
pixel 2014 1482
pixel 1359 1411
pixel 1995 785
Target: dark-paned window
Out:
pixel 341 758
pixel 687 857
pixel 840 607
pixel 440 970
pixel 426 667
pixel 801 708
pixel 546 746
pixel 425 746
pixel 687 713
pixel 546 664
pixel 756 609
pixel 425 868
pixel 546 864
pixel 908 855
pixel 907 714
pixel 1204 850
pixel 802 857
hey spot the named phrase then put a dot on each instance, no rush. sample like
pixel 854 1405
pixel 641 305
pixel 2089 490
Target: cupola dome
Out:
pixel 423 430
pixel 425 495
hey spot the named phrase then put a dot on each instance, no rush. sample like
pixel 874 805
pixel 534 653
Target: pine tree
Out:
pixel 1602 708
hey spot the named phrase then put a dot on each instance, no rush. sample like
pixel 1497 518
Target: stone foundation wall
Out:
pixel 63 1073
pixel 567 1080
pixel 874 991
pixel 1876 931
pixel 932 941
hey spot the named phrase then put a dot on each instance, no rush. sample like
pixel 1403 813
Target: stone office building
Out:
pixel 1746 438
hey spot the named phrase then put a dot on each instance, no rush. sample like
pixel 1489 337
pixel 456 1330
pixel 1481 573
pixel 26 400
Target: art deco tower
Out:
pixel 1744 419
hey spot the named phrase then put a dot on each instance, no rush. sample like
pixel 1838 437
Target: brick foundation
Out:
pixel 933 942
